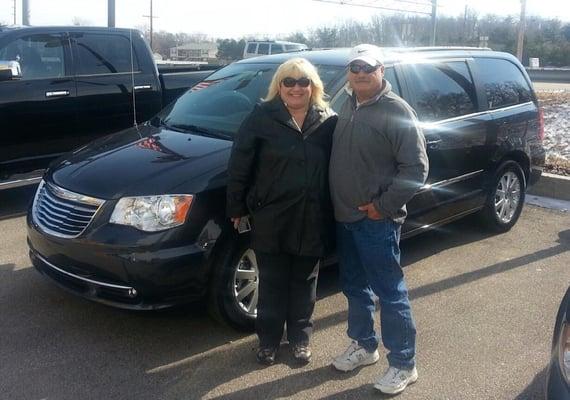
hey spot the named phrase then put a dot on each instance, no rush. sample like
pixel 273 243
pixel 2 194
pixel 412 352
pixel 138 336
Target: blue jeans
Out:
pixel 369 256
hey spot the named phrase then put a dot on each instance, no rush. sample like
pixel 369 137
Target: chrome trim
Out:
pixel 444 221
pixel 58 93
pixel 448 182
pixel 109 285
pixel 142 87
pixel 19 183
pixel 466 116
pixel 54 224
pixel 69 195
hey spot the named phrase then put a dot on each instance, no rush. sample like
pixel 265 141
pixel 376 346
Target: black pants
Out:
pixel 287 294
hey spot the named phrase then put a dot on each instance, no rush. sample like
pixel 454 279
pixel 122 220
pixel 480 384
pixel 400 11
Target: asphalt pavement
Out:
pixel 484 305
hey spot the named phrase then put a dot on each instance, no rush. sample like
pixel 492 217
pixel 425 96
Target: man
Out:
pixel 378 162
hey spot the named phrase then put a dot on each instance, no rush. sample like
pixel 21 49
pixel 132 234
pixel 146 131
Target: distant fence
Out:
pixel 549 74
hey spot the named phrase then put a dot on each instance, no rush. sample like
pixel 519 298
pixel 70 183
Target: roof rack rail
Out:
pixel 439 48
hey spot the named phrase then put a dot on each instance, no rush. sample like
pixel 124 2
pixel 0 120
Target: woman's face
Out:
pixel 295 91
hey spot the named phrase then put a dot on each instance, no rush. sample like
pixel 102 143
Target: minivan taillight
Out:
pixel 540 132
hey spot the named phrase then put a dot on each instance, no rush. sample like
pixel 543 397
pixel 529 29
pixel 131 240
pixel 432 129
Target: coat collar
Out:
pixel 278 111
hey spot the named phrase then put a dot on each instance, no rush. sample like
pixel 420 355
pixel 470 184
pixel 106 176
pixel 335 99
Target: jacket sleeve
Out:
pixel 409 149
pixel 240 169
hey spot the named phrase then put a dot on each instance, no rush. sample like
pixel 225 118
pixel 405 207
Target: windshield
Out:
pixel 222 101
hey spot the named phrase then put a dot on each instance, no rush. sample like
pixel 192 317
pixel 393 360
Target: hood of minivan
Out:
pixel 143 161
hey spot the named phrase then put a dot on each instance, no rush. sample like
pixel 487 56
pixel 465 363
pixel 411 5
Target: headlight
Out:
pixel 564 348
pixel 152 213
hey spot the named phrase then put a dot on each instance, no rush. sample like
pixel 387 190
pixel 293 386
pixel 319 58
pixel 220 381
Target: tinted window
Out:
pixel 251 47
pixel 225 98
pixel 503 82
pixel 276 49
pixel 442 91
pixel 103 54
pixel 295 47
pixel 263 48
pixel 389 75
pixel 40 56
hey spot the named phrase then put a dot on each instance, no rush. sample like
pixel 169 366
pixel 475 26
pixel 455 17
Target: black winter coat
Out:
pixel 279 176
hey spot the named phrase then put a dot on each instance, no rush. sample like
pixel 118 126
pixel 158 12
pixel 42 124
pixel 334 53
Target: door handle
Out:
pixel 58 93
pixel 143 87
pixel 433 144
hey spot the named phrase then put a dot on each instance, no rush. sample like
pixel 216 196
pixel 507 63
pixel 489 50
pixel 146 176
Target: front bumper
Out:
pixel 148 276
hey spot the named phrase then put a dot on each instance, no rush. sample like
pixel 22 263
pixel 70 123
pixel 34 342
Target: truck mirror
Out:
pixel 10 70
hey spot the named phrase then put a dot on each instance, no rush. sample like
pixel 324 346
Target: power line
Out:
pixel 368 5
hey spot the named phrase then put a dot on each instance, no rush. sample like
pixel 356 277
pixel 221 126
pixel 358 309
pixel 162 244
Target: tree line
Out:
pixel 546 39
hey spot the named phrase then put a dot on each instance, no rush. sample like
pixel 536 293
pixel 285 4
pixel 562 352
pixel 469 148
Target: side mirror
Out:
pixel 10 70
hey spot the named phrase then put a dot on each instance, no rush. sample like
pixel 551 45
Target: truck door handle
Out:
pixel 58 93
pixel 143 87
pixel 433 144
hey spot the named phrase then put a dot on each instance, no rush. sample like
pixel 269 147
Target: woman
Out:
pixel 278 175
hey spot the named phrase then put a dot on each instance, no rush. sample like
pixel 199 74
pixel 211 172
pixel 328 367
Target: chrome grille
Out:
pixel 62 213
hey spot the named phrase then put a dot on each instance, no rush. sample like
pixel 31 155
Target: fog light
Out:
pixel 132 292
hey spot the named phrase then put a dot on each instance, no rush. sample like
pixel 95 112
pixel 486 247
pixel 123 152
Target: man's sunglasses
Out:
pixel 367 69
pixel 291 82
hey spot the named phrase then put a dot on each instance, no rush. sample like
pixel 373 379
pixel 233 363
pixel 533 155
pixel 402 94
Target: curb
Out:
pixel 553 186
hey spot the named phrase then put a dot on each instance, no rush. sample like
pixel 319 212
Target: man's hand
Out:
pixel 371 211
pixel 236 221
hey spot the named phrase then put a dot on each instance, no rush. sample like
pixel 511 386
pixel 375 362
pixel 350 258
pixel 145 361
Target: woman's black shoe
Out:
pixel 302 353
pixel 266 356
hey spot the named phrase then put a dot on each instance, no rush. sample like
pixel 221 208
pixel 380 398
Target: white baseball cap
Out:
pixel 370 54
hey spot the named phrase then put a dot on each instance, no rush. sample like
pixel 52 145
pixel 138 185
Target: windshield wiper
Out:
pixel 196 129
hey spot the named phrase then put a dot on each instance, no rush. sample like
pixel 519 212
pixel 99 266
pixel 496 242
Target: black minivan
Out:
pixel 136 219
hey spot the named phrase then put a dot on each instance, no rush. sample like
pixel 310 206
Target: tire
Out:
pixel 234 286
pixel 506 198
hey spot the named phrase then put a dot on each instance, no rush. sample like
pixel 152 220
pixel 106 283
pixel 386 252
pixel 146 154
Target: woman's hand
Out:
pixel 236 221
pixel 371 211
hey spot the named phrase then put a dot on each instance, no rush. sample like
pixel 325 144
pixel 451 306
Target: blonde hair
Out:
pixel 296 68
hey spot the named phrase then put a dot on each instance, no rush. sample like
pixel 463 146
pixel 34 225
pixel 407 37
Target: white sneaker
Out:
pixel 354 356
pixel 396 380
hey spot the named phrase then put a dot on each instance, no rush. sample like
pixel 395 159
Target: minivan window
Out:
pixel 225 98
pixel 263 48
pixel 442 90
pixel 503 82
pixel 294 47
pixel 251 47
pixel 40 56
pixel 103 54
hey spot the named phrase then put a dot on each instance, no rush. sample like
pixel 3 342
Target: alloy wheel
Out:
pixel 507 196
pixel 246 278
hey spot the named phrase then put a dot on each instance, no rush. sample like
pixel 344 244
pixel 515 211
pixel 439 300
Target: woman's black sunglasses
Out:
pixel 291 82
pixel 368 69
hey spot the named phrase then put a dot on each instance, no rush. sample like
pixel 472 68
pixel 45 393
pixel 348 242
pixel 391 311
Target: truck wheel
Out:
pixel 234 289
pixel 506 198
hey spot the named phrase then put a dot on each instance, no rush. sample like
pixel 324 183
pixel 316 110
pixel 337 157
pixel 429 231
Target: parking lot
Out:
pixel 484 305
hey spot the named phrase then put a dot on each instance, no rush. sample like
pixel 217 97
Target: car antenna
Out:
pixel 133 83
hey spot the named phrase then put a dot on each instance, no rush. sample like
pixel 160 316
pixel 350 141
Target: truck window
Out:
pixel 251 48
pixel 103 54
pixel 442 90
pixel 276 49
pixel 503 82
pixel 263 48
pixel 40 56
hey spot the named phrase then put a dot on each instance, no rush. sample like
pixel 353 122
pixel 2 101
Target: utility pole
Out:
pixel 151 17
pixel 111 13
pixel 15 12
pixel 25 12
pixel 433 21
pixel 522 27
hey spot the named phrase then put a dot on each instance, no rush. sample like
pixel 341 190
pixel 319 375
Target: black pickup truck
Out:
pixel 62 87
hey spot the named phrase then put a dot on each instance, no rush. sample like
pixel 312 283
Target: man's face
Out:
pixel 365 84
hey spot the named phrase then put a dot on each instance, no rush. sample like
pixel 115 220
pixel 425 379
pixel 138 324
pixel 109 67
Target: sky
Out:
pixel 250 18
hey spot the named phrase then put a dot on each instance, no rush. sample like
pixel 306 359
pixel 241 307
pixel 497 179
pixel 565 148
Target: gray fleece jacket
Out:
pixel 378 155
